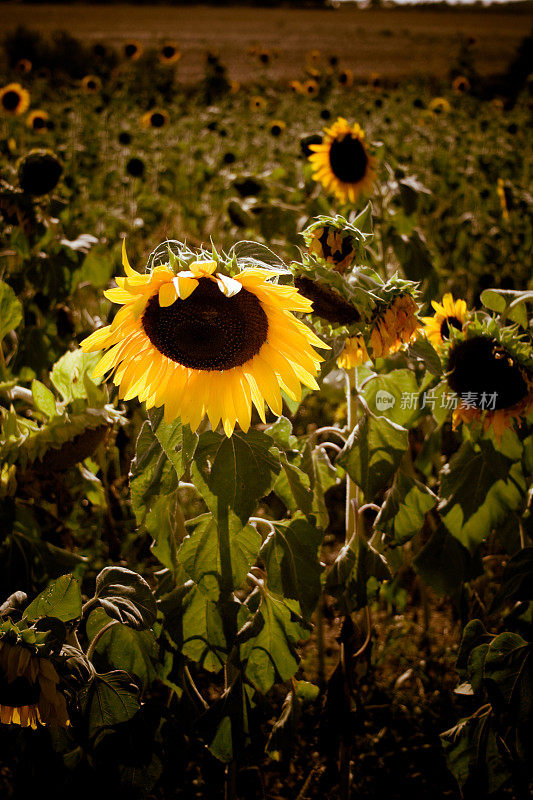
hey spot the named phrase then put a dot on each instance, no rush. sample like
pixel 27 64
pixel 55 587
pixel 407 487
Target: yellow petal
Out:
pixel 167 295
pixel 185 286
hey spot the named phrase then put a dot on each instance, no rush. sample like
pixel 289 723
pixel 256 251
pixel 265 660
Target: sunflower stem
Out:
pixel 351 488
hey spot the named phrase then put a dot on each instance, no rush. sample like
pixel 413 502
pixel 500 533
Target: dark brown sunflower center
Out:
pixel 10 100
pixel 19 692
pixel 483 369
pixel 275 130
pixel 447 323
pixel 327 304
pixel 130 50
pixel 348 159
pixel 169 51
pixel 207 330
pixel 335 257
pixel 91 84
pixel 157 120
pixel 39 123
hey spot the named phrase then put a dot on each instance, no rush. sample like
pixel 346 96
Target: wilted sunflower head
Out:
pixel 491 373
pixel 132 50
pixel 342 162
pixel 451 314
pixel 14 99
pixel 39 172
pixel 461 84
pixel 333 240
pixel 156 118
pixel 198 340
pixel 169 53
pixel 394 325
pixel 37 120
pixel 257 103
pixel 29 692
pixel 354 353
pixel 439 105
pixel 91 84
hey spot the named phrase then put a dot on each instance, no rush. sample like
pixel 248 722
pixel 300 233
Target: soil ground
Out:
pixel 394 43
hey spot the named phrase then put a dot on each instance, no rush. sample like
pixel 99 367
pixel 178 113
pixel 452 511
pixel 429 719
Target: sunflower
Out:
pixel 257 103
pixel 28 688
pixel 39 172
pixel 439 105
pixel 310 88
pixel 451 314
pixel 91 84
pixel 375 80
pixel 394 326
pixel 494 384
pixel 342 161
pixel 37 120
pixel 354 353
pixel 169 53
pixel 345 78
pixel 14 99
pixel 296 87
pixel 132 50
pixel 328 243
pixel 460 84
pixel 157 118
pixel 200 342
pixel 23 66
pixel 264 56
pixel 313 57
pixel 277 126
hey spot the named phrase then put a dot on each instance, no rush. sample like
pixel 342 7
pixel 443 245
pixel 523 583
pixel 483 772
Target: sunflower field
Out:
pixel 266 428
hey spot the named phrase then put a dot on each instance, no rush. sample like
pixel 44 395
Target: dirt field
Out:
pixel 394 43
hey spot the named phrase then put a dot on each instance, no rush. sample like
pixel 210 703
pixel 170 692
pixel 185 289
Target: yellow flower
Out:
pixel 91 84
pixel 354 353
pixel 460 84
pixel 451 314
pixel 132 50
pixel 345 78
pixel 257 103
pixel 296 87
pixel 329 244
pixel 234 86
pixel 394 327
pixel 169 53
pixel 342 162
pixel 502 196
pixel 493 388
pixel 439 105
pixel 156 118
pixel 310 88
pixel 14 99
pixel 28 689
pixel 36 120
pixel 200 342
pixel 277 126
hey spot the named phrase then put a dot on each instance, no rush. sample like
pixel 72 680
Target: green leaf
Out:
pixel 256 254
pixel 402 515
pixel 124 648
pixel 445 564
pixel 509 664
pixel 126 596
pixel 471 750
pixel 61 599
pixel 293 487
pixel 203 637
pixel 291 560
pixel 109 699
pixel 199 555
pixel 517 579
pixel 392 396
pixel 271 655
pixel 236 471
pixel 480 487
pixel 177 441
pixel 373 453
pixel 72 373
pixel 348 578
pixel 11 314
pixel 43 399
pixel 423 349
pixel 509 302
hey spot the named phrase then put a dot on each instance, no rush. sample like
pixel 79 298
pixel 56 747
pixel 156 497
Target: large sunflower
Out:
pixel 14 99
pixel 451 314
pixel 493 384
pixel 37 120
pixel 342 161
pixel 28 688
pixel 201 342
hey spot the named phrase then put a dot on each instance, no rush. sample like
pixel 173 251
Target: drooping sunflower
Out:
pixel 201 342
pixel 451 314
pixel 342 162
pixel 257 103
pixel 29 692
pixel 14 99
pixel 132 50
pixel 169 53
pixel 492 376
pixel 354 353
pixel 277 126
pixel 91 84
pixel 331 240
pixel 37 120
pixel 394 326
pixel 439 105
pixel 156 118
pixel 461 84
